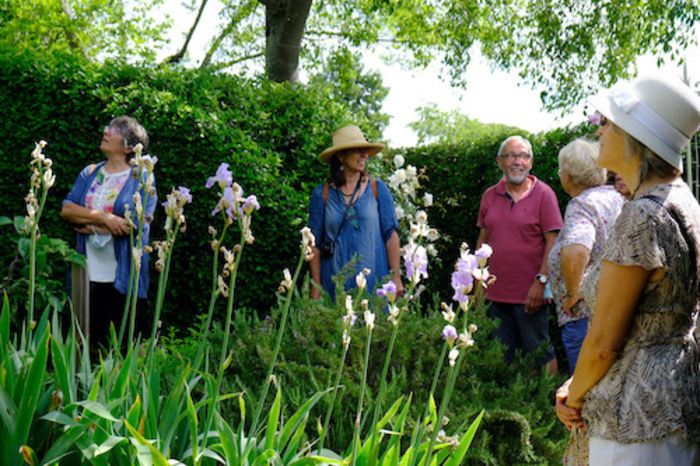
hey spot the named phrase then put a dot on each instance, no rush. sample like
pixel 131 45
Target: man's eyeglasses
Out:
pixel 516 155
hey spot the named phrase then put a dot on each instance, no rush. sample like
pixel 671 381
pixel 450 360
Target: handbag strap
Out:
pixel 682 227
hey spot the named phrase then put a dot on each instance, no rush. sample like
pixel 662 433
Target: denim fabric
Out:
pixel 121 243
pixel 369 225
pixel 521 330
pixel 572 335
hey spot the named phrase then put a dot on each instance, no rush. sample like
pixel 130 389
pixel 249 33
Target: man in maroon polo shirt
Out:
pixel 519 218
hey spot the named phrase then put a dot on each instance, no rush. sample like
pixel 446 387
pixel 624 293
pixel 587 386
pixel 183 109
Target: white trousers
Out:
pixel 673 450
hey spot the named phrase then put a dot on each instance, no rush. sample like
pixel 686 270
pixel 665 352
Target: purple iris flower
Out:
pixel 462 278
pixel 449 334
pixel 387 291
pixel 223 177
pixel 225 203
pixel 249 204
pixel 416 262
pixel 185 194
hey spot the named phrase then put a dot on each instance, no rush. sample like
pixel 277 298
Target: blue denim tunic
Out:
pixel 121 243
pixel 370 223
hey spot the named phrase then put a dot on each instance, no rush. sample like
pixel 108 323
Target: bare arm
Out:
pixel 393 252
pixel 574 259
pixel 619 290
pixel 315 266
pixel 82 216
pixel 535 295
pixel 483 237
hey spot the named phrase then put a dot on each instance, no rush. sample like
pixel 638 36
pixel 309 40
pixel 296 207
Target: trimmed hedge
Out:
pixel 269 133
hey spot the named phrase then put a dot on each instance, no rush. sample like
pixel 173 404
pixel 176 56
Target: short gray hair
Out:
pixel 579 159
pixel 131 130
pixel 515 138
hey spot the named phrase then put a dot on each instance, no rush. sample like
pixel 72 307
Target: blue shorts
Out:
pixel 521 330
pixel 572 335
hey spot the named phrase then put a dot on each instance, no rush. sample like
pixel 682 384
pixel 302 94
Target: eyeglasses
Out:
pixel 516 155
pixel 111 130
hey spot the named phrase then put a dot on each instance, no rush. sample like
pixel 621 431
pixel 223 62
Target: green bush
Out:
pixel 519 425
pixel 269 133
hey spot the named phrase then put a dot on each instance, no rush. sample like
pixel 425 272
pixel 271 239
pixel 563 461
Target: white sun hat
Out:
pixel 659 111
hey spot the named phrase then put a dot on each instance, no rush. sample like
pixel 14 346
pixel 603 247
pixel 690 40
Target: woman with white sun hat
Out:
pixel 636 387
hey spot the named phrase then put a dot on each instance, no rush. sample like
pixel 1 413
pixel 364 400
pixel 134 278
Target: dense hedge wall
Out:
pixel 269 134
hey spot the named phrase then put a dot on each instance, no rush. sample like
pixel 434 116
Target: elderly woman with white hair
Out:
pixel 588 220
pixel 636 386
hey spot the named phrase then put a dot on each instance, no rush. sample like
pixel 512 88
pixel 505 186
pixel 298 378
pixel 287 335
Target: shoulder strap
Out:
pixel 325 193
pixel 373 181
pixel 681 226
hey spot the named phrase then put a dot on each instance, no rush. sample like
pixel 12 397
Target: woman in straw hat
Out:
pixel 352 217
pixel 636 387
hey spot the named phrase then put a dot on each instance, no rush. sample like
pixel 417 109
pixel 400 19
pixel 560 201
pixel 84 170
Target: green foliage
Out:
pixel 92 29
pixel 270 134
pixel 50 252
pixel 435 126
pixel 344 78
pixel 519 421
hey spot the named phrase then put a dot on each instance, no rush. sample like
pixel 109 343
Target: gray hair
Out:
pixel 515 138
pixel 131 130
pixel 579 159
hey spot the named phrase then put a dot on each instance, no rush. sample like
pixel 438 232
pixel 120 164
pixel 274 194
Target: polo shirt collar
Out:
pixel 501 186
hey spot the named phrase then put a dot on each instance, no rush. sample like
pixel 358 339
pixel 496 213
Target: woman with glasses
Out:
pixel 95 207
pixel 353 219
pixel 636 386
pixel 589 218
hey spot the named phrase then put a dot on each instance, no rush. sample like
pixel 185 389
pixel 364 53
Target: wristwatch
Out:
pixel 542 278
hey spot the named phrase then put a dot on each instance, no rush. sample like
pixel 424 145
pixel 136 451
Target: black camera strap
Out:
pixel 352 202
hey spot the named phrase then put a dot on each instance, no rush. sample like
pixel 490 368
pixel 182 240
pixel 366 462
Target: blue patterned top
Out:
pixel 370 223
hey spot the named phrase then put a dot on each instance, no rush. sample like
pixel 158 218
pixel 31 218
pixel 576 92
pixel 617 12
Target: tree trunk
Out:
pixel 284 29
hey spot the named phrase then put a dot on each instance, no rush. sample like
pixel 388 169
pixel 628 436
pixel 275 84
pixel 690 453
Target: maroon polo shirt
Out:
pixel 516 234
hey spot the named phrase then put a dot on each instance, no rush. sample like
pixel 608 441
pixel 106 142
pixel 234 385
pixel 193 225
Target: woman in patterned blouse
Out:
pixel 636 387
pixel 589 218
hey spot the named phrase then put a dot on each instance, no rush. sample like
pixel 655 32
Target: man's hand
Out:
pixel 535 297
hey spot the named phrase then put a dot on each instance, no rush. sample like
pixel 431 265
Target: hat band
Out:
pixel 628 101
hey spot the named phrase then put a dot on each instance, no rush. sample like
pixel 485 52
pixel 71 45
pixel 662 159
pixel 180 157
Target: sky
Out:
pixel 492 96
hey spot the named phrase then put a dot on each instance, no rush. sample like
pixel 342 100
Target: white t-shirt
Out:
pixel 99 248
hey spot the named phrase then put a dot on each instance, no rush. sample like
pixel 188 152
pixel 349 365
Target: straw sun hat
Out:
pixel 660 112
pixel 350 137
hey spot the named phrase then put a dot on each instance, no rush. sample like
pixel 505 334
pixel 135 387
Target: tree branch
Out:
pixel 178 56
pixel 226 64
pixel 73 39
pixel 348 36
pixel 239 14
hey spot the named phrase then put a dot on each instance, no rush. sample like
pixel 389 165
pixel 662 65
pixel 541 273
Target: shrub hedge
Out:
pixel 269 133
